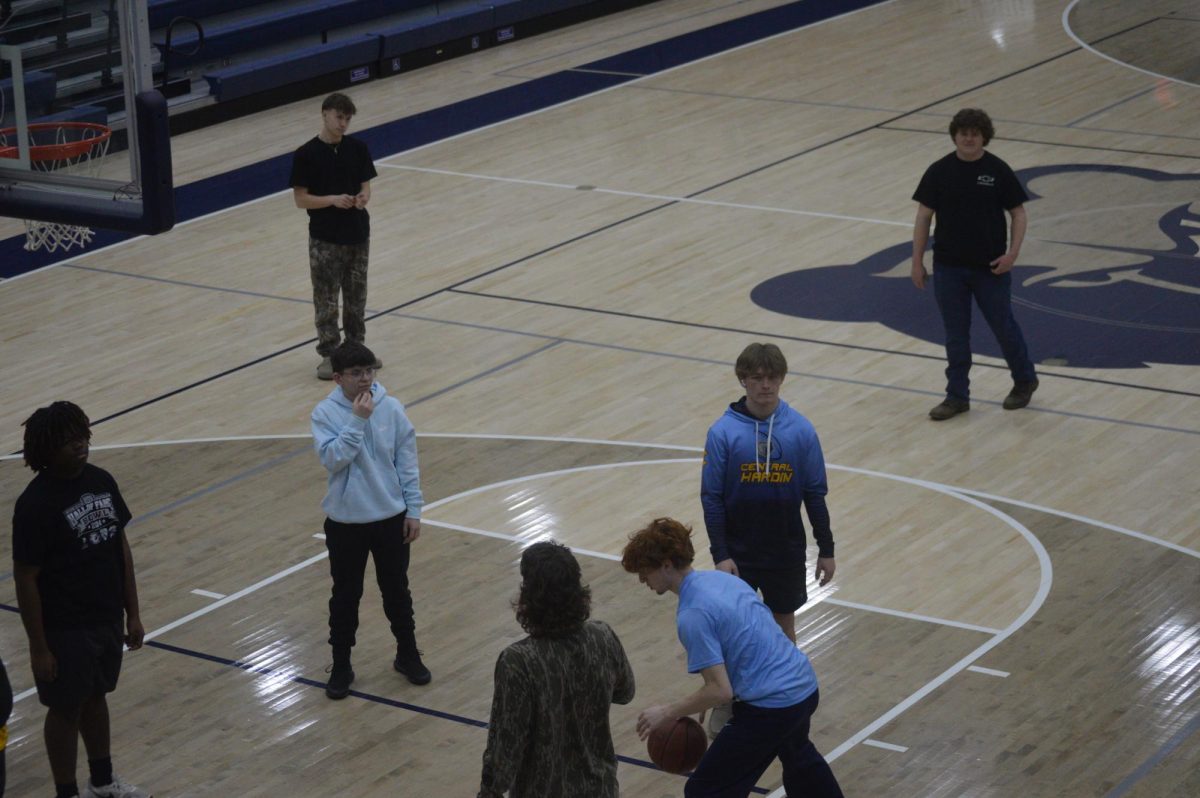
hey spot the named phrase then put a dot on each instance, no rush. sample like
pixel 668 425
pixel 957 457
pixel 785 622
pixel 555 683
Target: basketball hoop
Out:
pixel 73 148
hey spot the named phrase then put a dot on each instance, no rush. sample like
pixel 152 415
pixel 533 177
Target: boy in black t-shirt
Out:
pixel 76 589
pixel 970 190
pixel 331 179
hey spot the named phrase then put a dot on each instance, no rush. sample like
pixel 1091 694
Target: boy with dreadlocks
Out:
pixel 76 588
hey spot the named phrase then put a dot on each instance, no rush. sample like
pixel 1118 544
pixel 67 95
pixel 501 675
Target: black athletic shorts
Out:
pixel 89 662
pixel 783 589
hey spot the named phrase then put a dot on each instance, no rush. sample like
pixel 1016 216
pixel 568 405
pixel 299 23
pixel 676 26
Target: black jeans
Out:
pixel 349 545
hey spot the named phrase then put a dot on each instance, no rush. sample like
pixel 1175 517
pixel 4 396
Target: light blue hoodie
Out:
pixel 372 463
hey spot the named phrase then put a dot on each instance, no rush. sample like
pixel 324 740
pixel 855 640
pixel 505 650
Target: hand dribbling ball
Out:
pixel 678 746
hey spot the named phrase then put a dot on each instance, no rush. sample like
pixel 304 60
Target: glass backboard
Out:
pixel 83 134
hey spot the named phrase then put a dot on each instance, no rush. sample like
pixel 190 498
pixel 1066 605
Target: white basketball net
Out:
pixel 53 236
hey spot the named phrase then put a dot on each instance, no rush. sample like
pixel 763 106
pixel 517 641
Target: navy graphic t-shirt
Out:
pixel 71 530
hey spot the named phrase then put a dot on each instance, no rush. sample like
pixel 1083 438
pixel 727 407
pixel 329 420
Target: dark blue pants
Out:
pixel 954 287
pixel 750 741
pixel 349 545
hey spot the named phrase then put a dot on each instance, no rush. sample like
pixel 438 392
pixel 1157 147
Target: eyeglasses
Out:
pixel 358 374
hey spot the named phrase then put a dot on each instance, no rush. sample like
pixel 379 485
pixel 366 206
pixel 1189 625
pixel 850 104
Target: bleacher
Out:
pixel 217 57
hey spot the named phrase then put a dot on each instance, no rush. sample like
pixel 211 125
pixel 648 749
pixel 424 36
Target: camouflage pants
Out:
pixel 337 267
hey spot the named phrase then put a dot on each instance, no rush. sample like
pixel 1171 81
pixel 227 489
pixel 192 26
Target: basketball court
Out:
pixel 558 299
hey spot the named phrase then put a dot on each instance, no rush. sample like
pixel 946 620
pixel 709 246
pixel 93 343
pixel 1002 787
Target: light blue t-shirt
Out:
pixel 721 620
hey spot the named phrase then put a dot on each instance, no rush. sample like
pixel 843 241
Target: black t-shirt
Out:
pixel 71 529
pixel 339 168
pixel 969 199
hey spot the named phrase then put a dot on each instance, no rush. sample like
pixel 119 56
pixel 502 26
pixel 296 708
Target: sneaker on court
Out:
pixel 118 789
pixel 325 369
pixel 340 677
pixel 411 666
pixel 718 716
pixel 949 408
pixel 1020 395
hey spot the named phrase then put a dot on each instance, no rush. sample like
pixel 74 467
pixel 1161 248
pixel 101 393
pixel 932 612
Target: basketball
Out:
pixel 677 747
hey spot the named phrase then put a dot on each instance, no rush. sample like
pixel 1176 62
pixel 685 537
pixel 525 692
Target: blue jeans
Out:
pixel 749 742
pixel 954 286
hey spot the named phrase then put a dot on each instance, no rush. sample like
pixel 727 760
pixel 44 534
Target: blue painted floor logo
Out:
pixel 1108 277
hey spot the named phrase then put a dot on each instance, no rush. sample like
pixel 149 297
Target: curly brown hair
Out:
pixel 553 601
pixel 973 119
pixel 662 540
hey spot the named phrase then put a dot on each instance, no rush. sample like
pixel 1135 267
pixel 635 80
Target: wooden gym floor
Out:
pixel 559 301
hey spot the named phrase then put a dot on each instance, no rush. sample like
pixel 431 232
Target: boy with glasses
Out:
pixel 373 506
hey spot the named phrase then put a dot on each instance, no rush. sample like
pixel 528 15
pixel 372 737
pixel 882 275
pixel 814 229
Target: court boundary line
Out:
pixel 1067 29
pixel 269 580
pixel 397 313
pixel 855 347
pixel 813 602
pixel 585 95
pixel 674 200
pixel 1046 578
pixel 911 616
pixel 1152 761
pixel 454 286
pixel 1083 519
pixel 1067 144
pixel 1115 104
pixel 281 673
pixel 715 54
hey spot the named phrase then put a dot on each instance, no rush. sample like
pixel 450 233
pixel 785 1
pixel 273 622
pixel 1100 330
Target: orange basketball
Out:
pixel 677 747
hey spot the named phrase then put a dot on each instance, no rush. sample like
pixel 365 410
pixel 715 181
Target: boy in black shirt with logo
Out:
pixel 969 191
pixel 331 179
pixel 76 589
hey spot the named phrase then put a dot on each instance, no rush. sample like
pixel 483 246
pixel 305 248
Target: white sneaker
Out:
pixel 718 716
pixel 118 789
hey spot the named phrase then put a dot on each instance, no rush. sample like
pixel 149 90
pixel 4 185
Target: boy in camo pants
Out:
pixel 331 176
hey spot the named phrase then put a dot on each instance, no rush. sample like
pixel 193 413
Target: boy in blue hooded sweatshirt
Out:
pixel 762 460
pixel 373 506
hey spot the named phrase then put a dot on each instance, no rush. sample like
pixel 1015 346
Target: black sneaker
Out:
pixel 338 686
pixel 412 667
pixel 949 408
pixel 1020 395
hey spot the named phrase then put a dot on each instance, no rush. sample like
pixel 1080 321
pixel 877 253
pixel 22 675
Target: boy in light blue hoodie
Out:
pixel 373 506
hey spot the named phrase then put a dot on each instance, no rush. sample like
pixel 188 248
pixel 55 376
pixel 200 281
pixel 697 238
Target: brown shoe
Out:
pixel 1020 395
pixel 949 408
